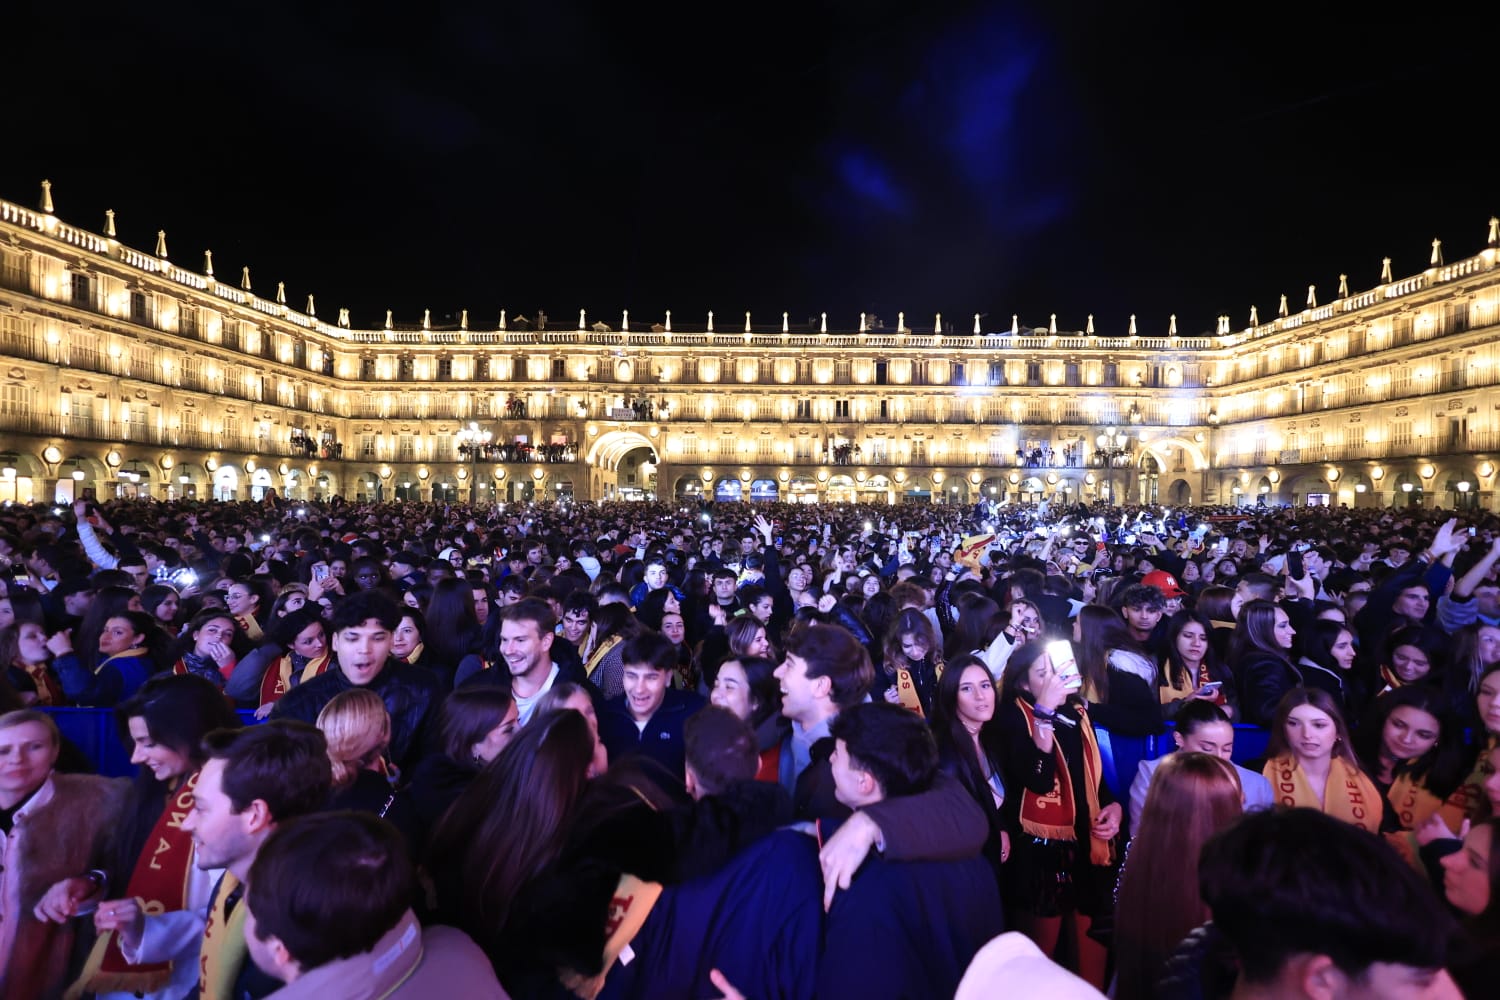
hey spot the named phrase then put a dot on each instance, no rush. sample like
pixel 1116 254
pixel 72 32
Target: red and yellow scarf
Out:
pixel 1349 794
pixel 159 884
pixel 415 655
pixel 48 690
pixel 250 627
pixel 1054 815
pixel 628 910
pixel 278 678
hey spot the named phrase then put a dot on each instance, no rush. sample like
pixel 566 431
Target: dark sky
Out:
pixel 866 155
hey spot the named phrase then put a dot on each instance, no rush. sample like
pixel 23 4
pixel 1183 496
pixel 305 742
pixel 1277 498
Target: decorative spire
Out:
pixel 47 199
pixel 1494 237
pixel 1312 296
pixel 344 319
pixel 312 307
pixel 1282 310
pixel 1172 325
pixel 785 328
pixel 1385 270
pixel 669 321
pixel 161 243
pixel 281 293
pixel 1437 254
pixel 1254 316
pixel 747 321
pixel 1088 327
pixel 1132 325
pixel 864 324
pixel 1343 286
pixel 937 324
pixel 823 323
pixel 502 319
pixel 208 263
pixel 1221 327
pixel 463 320
pixel 1052 323
pixel 625 321
pixel 387 319
pixel 1015 324
pixel 900 321
pixel 976 323
pixel 109 223
pixel 582 320
pixel 427 319
pixel 710 321
pixel 245 277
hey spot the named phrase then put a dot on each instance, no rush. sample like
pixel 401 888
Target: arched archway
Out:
pixel 1179 494
pixel 688 488
pixel 1160 449
pixel 764 491
pixel 612 446
pixel 729 490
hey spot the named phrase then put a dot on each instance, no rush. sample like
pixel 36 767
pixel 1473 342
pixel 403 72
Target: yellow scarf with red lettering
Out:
pixel 1412 801
pixel 415 655
pixel 224 951
pixel 1465 801
pixel 1349 795
pixel 159 884
pixel 1054 816
pixel 597 659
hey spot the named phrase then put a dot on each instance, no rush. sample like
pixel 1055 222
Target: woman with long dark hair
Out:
pixel 454 636
pixel 1471 884
pixel 1191 668
pixel 1412 655
pixel 206 647
pixel 504 830
pixel 1260 656
pixel 1193 796
pixel 1120 699
pixel 295 651
pixel 1411 747
pixel 1327 662
pixel 474 725
pixel 153 931
pixel 124 646
pixel 1310 762
pixel 1057 799
pixel 27 664
pixel 747 686
pixel 963 710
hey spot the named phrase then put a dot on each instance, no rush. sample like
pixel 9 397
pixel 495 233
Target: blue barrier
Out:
pixel 95 732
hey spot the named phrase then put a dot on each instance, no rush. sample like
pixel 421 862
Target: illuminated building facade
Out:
pixel 126 374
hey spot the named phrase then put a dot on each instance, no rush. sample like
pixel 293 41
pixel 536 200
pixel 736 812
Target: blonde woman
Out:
pixel 357 727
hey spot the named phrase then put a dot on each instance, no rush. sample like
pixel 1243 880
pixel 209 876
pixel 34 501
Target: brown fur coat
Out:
pixel 65 837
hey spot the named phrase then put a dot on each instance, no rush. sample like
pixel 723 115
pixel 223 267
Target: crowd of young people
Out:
pixel 687 750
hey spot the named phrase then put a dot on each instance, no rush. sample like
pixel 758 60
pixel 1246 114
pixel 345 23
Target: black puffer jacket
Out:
pixel 1202 968
pixel 411 695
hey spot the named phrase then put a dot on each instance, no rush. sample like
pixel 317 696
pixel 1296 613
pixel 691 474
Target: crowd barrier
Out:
pixel 95 732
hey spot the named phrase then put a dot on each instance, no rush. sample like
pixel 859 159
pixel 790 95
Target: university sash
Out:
pixel 1392 681
pixel 599 655
pixel 628 910
pixel 250 626
pixel 48 690
pixel 224 951
pixel 277 679
pixel 138 653
pixel 906 688
pixel 414 656
pixel 1349 795
pixel 159 884
pixel 1412 801
pixel 1465 801
pixel 1054 816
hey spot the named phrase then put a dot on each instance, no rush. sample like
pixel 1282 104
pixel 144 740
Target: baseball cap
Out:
pixel 1164 582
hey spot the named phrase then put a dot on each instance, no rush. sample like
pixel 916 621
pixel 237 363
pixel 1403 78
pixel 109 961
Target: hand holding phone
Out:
pixel 1065 664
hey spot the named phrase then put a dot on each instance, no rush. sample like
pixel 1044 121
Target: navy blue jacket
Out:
pixel 661 740
pixel 758 920
pixel 926 918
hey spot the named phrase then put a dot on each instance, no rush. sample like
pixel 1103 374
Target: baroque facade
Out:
pixel 126 374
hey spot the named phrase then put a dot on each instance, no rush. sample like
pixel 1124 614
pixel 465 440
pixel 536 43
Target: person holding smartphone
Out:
pixel 1063 856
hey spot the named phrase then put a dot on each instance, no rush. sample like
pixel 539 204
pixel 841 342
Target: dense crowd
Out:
pixel 662 750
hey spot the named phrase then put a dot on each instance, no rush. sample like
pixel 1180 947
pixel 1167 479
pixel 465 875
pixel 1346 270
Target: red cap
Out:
pixel 1164 582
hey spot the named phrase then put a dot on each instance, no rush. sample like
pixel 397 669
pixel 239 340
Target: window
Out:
pixel 1033 373
pixel 882 373
pixel 997 373
pixel 83 291
pixel 187 321
pixel 841 409
pixel 885 409
pixel 16 399
pixel 959 375
pixel 299 353
pixel 445 369
pixel 559 369
pixel 406 368
pixel 367 369
pixel 367 445
pixel 140 308
pixel 804 409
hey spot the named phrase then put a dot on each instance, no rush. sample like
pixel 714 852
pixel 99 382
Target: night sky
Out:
pixel 843 156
